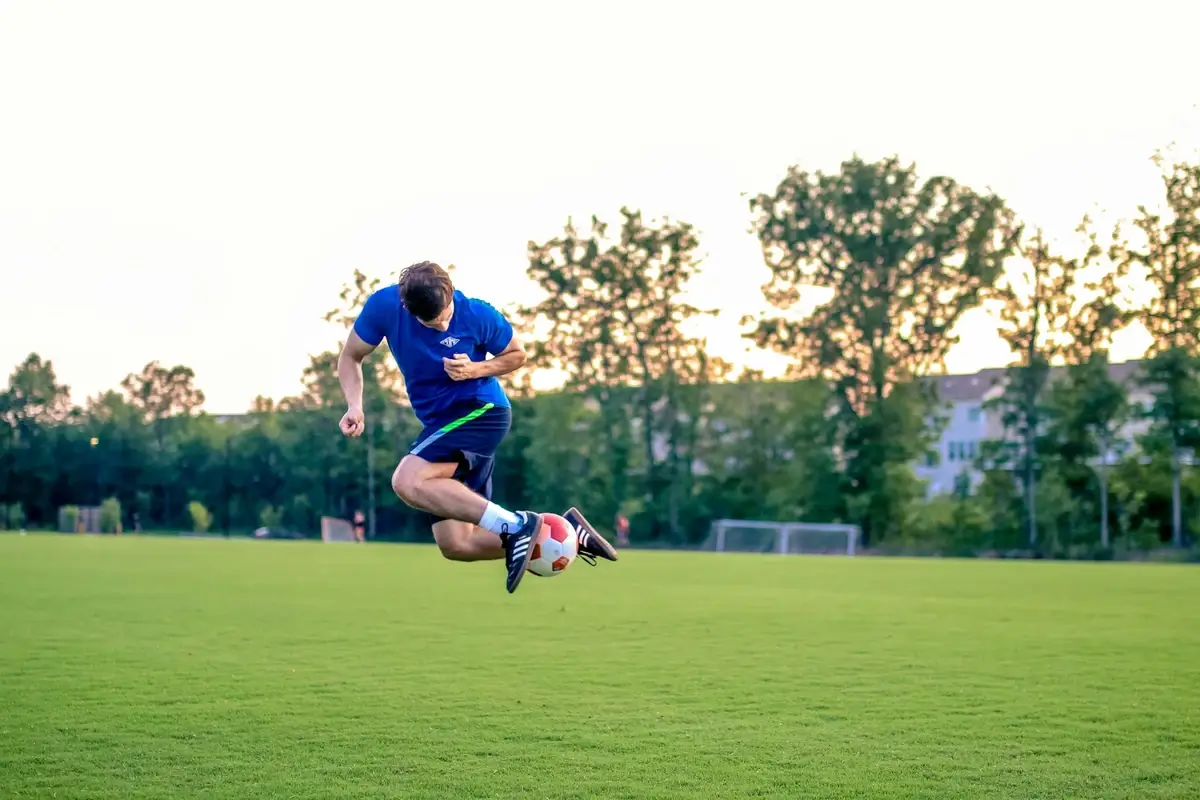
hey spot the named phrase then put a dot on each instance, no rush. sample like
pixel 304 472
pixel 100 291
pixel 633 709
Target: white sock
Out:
pixel 497 519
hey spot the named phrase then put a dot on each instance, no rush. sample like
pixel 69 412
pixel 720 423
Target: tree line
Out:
pixel 650 425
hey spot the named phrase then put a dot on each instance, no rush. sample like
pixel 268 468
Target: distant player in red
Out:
pixel 441 340
pixel 622 530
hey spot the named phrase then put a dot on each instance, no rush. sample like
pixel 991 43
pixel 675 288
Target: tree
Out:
pixel 125 457
pixel 34 394
pixel 767 451
pixel 1168 255
pixel 1036 304
pixel 31 408
pixel 564 464
pixel 1088 408
pixel 903 260
pixel 613 318
pixel 162 395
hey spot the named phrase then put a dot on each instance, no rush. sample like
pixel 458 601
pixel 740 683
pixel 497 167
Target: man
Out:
pixel 441 341
pixel 622 530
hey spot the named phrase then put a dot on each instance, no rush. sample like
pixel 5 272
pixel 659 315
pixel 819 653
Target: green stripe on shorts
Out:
pixel 456 424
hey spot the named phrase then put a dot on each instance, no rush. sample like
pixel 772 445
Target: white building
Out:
pixel 968 423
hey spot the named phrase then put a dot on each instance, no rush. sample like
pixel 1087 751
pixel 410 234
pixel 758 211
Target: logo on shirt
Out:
pixel 449 341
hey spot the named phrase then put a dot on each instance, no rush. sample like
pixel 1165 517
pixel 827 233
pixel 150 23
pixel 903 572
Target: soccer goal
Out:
pixel 337 530
pixel 784 538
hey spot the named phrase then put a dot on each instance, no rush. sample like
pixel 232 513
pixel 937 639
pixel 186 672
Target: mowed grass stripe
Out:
pixel 154 667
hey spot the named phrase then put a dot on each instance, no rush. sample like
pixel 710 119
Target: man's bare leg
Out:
pixel 462 541
pixel 483 528
pixel 432 488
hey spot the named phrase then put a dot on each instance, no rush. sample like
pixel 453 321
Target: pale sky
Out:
pixel 193 182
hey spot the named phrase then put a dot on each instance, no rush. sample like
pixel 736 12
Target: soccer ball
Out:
pixel 554 547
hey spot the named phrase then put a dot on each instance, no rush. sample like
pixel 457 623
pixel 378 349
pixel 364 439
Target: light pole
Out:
pixel 1102 464
pixel 95 443
pixel 370 479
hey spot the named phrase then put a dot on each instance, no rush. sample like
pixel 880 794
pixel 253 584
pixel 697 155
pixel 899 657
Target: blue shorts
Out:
pixel 468 437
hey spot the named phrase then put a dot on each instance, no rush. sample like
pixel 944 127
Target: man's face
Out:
pixel 442 323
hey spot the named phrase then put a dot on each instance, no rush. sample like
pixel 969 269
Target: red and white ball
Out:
pixel 554 547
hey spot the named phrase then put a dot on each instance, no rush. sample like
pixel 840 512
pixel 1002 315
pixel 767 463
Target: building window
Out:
pixel 974 450
pixel 974 414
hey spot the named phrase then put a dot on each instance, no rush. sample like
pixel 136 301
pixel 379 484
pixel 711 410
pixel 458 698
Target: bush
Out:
pixel 201 519
pixel 13 517
pixel 271 517
pixel 945 525
pixel 110 516
pixel 68 519
pixel 299 514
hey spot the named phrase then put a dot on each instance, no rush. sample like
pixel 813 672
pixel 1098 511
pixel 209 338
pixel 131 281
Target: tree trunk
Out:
pixel 370 479
pixel 1104 504
pixel 1032 391
pixel 619 445
pixel 1176 505
pixel 1030 491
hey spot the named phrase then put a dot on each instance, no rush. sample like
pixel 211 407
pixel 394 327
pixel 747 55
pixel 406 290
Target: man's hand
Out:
pixel 461 367
pixel 353 422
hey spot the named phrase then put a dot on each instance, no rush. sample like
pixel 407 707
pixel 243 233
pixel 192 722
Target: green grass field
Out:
pixel 162 668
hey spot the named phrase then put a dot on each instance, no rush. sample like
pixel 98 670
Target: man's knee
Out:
pixel 410 479
pixel 406 482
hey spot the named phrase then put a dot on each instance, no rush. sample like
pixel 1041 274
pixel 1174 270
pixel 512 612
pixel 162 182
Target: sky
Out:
pixel 193 182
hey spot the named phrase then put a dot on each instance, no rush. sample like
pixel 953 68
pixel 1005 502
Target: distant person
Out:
pixel 359 533
pixel 441 340
pixel 622 530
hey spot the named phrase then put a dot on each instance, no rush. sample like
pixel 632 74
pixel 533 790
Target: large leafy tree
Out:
pixel 903 260
pixel 33 404
pixel 34 394
pixel 1036 298
pixel 1088 407
pixel 613 318
pixel 1165 249
pixel 124 452
pixel 164 396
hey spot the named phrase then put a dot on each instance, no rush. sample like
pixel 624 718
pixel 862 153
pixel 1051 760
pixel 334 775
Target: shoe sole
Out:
pixel 576 518
pixel 537 528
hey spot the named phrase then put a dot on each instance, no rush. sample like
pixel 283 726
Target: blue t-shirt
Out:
pixel 476 329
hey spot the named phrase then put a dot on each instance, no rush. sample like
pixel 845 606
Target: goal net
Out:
pixel 337 530
pixel 784 538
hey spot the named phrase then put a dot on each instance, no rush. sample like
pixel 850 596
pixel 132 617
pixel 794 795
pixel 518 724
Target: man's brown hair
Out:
pixel 425 290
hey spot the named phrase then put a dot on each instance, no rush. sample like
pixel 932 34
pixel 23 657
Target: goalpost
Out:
pixel 337 530
pixel 784 538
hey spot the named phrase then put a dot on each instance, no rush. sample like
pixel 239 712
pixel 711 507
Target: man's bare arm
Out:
pixel 511 359
pixel 350 376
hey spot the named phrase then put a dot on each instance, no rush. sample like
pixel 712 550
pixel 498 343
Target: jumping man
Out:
pixel 441 340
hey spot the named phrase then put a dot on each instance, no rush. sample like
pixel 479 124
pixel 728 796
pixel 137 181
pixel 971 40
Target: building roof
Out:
pixel 965 388
pixel 974 386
